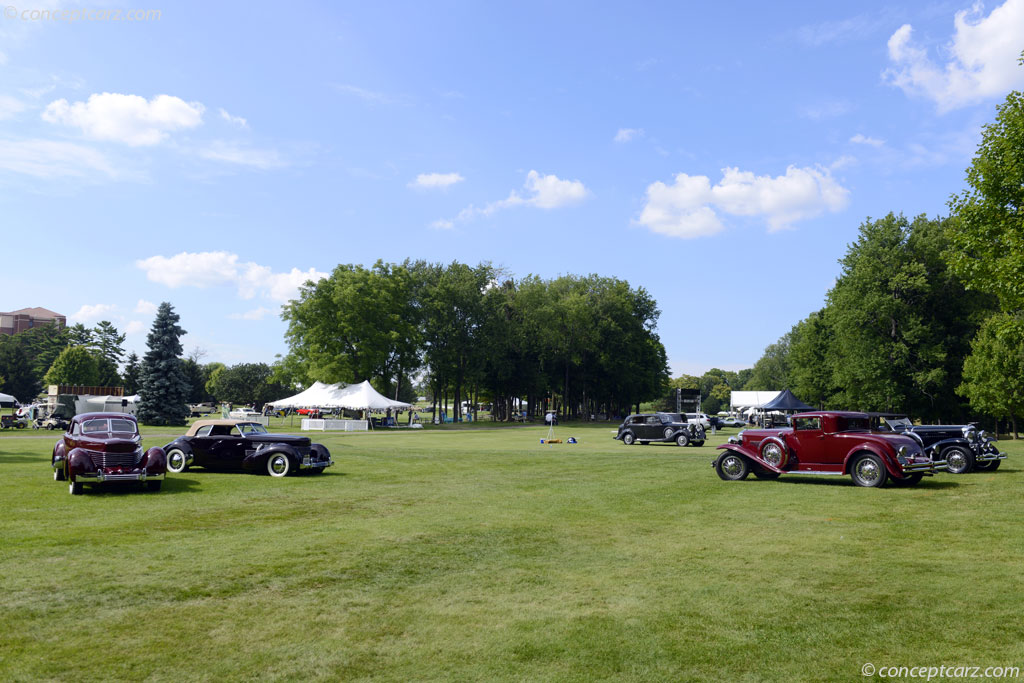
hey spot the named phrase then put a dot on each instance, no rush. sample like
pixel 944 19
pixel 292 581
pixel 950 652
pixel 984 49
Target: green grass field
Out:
pixel 482 555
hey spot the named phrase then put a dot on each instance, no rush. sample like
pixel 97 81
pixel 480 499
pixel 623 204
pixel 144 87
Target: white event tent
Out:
pixel 352 397
pixel 741 401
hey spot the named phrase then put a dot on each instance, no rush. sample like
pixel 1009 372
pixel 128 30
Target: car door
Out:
pixel 808 443
pixel 227 450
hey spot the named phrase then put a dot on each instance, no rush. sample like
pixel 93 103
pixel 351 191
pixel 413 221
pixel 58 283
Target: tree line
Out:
pixel 927 315
pixel 579 345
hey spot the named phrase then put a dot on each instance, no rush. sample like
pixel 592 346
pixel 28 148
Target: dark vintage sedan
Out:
pixel 826 443
pixel 98 448
pixel 660 428
pixel 965 448
pixel 244 445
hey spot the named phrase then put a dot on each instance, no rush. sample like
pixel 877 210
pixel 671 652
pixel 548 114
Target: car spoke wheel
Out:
pixel 732 467
pixel 278 465
pixel 773 454
pixel 682 439
pixel 177 461
pixel 958 460
pixel 990 466
pixel 868 470
pixel 668 433
pixel 74 487
pixel 628 438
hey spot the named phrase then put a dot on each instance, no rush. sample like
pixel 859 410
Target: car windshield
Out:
pixel 103 425
pixel 852 424
pixel 252 428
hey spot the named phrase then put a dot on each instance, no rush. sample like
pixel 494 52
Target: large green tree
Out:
pixel 247 383
pixel 164 386
pixel 132 374
pixel 16 368
pixel 993 371
pixel 357 324
pixel 986 237
pixel 74 365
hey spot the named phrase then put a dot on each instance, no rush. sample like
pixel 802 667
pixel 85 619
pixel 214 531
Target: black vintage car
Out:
pixel 963 447
pixel 660 428
pixel 244 445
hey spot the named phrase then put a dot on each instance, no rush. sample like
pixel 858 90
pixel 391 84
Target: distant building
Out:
pixel 27 318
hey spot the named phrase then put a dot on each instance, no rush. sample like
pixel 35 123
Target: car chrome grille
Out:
pixel 115 459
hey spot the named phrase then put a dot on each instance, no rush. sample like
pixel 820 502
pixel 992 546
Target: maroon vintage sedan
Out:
pixel 106 447
pixel 826 443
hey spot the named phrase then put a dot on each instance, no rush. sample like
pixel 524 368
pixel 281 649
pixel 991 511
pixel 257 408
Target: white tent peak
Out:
pixel 360 396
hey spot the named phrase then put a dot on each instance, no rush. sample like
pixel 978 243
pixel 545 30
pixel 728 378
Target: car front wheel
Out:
pixel 732 467
pixel 177 461
pixel 153 485
pixel 909 480
pixel 868 470
pixel 682 440
pixel 990 466
pixel 58 474
pixel 278 465
pixel 628 438
pixel 74 487
pixel 958 460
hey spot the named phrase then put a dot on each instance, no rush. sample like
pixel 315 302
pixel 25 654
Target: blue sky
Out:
pixel 722 156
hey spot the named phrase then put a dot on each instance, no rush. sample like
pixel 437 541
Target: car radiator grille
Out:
pixel 115 459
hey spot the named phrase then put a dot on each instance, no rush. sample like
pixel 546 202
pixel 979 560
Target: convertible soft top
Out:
pixel 202 423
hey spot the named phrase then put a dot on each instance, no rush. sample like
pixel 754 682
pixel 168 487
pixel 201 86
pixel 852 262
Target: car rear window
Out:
pixel 852 424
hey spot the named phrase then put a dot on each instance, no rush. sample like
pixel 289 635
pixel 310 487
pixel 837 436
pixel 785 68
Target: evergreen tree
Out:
pixel 108 342
pixel 132 375
pixel 19 379
pixel 164 387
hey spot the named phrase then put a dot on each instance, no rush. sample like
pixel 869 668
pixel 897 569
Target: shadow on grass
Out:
pixel 203 472
pixel 10 459
pixel 171 486
pixel 846 481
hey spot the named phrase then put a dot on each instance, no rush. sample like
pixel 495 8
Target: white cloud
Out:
pixel 91 313
pixel 134 327
pixel 689 207
pixel 627 134
pixel 218 268
pixel 982 61
pixel 129 119
pixel 429 181
pixel 546 192
pixel 52 159
pixel 9 107
pixel 370 95
pixel 244 156
pixel 442 224
pixel 234 120
pixel 829 109
pixel 146 307
pixel 255 314
pixel 860 139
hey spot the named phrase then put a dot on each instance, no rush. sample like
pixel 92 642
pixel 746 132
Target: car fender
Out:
pixel 321 449
pixel 753 457
pixel 154 461
pixel 937 448
pixel 888 459
pixel 257 460
pixel 782 444
pixel 58 453
pixel 79 462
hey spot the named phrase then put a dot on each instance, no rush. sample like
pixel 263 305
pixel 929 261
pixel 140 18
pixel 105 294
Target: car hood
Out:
pixel 290 439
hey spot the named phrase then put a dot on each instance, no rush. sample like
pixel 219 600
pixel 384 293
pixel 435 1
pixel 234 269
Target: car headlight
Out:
pixel 982 434
pixel 901 455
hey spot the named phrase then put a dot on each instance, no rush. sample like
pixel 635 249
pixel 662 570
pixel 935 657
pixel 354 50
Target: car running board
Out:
pixel 815 472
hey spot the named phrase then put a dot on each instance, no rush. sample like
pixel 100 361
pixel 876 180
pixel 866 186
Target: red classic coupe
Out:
pixel 826 443
pixel 106 447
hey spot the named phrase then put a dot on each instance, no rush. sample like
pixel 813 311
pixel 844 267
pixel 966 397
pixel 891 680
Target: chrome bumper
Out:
pixel 101 476
pixel 928 467
pixel 308 463
pixel 989 457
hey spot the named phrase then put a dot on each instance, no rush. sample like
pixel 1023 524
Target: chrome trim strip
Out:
pixel 102 477
pixel 815 472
